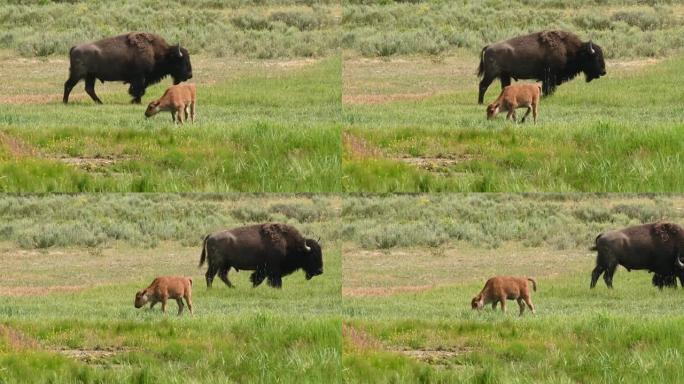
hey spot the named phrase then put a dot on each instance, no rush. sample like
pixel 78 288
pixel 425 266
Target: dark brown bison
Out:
pixel 552 57
pixel 654 247
pixel 272 250
pixel 137 58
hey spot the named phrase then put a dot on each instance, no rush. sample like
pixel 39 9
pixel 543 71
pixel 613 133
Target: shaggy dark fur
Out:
pixel 552 57
pixel 653 247
pixel 137 58
pixel 271 250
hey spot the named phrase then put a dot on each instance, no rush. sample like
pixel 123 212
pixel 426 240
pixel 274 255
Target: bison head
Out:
pixel 140 298
pixel 592 62
pixel 178 60
pixel 313 256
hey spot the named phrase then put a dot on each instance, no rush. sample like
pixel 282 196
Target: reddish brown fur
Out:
pixel 177 99
pixel 164 288
pixel 502 288
pixel 517 96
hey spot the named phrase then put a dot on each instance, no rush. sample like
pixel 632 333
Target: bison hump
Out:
pixel 273 232
pixel 141 41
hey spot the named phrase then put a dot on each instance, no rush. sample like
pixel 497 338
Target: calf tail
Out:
pixel 190 279
pixel 534 284
pixel 203 256
pixel 480 68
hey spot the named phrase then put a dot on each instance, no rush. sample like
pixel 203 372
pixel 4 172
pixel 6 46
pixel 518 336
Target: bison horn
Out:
pixel 591 48
pixel 180 54
pixel 308 249
pixel 679 262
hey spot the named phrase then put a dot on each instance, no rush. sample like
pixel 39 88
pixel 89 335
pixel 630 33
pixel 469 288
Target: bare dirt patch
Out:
pixel 439 356
pixel 385 98
pixel 632 64
pixel 33 99
pixel 16 339
pixel 92 356
pixel 384 291
pixel 360 339
pixel 16 146
pixel 358 148
pixel 437 163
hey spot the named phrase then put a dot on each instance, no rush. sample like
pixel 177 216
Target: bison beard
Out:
pixel 271 250
pixel 137 58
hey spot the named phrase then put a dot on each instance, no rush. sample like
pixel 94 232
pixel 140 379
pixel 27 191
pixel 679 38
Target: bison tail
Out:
pixel 203 256
pixel 595 247
pixel 480 68
pixel 534 284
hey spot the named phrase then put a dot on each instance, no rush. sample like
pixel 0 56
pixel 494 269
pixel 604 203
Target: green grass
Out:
pixel 622 133
pixel 406 307
pixel 66 309
pixel 261 128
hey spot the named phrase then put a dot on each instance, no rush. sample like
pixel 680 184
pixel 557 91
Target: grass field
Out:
pixel 261 126
pixel 406 309
pixel 413 125
pixel 67 315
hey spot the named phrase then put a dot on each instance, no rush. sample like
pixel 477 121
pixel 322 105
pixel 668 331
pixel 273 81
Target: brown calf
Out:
pixel 164 288
pixel 516 96
pixel 177 99
pixel 502 288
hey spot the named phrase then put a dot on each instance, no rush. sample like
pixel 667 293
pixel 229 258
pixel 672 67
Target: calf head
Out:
pixel 141 298
pixel 477 302
pixel 152 108
pixel 492 110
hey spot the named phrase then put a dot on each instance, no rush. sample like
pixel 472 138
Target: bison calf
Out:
pixel 164 288
pixel 516 96
pixel 502 288
pixel 177 99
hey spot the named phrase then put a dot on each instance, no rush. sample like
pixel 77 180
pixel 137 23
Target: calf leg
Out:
pixel 521 304
pixel 529 109
pixel 179 115
pixel 90 89
pixel 192 111
pixel 188 300
pixel 163 301
pixel 180 306
pixel 484 84
pixel 68 86
pixel 595 274
pixel 494 305
pixel 503 305
pixel 534 112
pixel 528 301
pixel 223 274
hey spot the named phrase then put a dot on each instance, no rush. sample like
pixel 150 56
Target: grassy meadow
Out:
pixel 412 264
pixel 268 79
pixel 72 265
pixel 412 123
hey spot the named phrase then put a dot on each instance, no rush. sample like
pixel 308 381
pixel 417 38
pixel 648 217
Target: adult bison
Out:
pixel 552 57
pixel 654 247
pixel 137 58
pixel 272 250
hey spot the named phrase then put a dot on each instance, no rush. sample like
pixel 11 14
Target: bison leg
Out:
pixel 223 275
pixel 180 306
pixel 275 279
pixel 595 274
pixel 505 80
pixel 209 276
pixel 484 84
pixel 90 89
pixel 258 276
pixel 137 90
pixel 608 275
pixel 68 86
